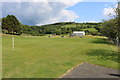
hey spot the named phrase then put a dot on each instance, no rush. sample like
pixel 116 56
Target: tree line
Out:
pixel 11 25
pixel 109 28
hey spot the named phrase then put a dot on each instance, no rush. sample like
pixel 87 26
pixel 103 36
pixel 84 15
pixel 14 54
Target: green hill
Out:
pixel 90 29
pixel 59 28
pixel 69 25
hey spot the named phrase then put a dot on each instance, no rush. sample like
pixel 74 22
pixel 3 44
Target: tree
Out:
pixel 111 28
pixel 118 19
pixel 11 25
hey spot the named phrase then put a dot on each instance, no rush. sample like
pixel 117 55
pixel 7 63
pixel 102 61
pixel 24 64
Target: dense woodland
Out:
pixel 109 28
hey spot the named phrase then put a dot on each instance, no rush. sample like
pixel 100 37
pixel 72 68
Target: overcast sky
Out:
pixel 47 12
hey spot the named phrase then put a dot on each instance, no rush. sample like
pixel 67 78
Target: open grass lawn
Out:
pixel 51 57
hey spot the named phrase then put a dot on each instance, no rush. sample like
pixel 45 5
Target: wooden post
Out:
pixel 13 46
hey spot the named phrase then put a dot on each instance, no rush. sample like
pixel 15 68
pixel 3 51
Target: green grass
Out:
pixel 35 57
pixel 90 29
pixel 69 25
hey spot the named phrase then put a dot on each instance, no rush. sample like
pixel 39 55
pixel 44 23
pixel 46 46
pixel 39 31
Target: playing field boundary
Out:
pixel 68 71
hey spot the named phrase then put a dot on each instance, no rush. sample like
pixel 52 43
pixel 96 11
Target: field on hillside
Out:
pixel 69 25
pixel 90 29
pixel 42 57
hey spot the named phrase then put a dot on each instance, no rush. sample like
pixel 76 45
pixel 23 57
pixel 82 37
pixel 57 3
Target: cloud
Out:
pixel 109 12
pixel 99 0
pixel 90 21
pixel 39 13
pixel 59 1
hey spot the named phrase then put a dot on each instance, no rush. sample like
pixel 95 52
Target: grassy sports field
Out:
pixel 43 57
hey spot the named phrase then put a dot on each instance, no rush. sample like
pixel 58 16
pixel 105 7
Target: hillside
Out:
pixel 90 29
pixel 11 25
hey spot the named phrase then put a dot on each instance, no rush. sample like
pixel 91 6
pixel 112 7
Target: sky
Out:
pixel 47 12
pixel 92 11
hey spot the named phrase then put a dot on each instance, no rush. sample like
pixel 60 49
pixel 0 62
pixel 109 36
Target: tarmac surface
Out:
pixel 87 70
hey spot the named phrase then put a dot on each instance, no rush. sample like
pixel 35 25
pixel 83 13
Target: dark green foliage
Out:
pixel 63 30
pixel 118 19
pixel 111 28
pixel 94 33
pixel 57 28
pixel 11 25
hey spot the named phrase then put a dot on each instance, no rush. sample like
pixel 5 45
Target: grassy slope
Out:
pixel 73 25
pixel 69 25
pixel 52 57
pixel 90 29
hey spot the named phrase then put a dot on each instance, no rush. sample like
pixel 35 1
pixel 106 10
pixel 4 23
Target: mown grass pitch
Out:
pixel 35 57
